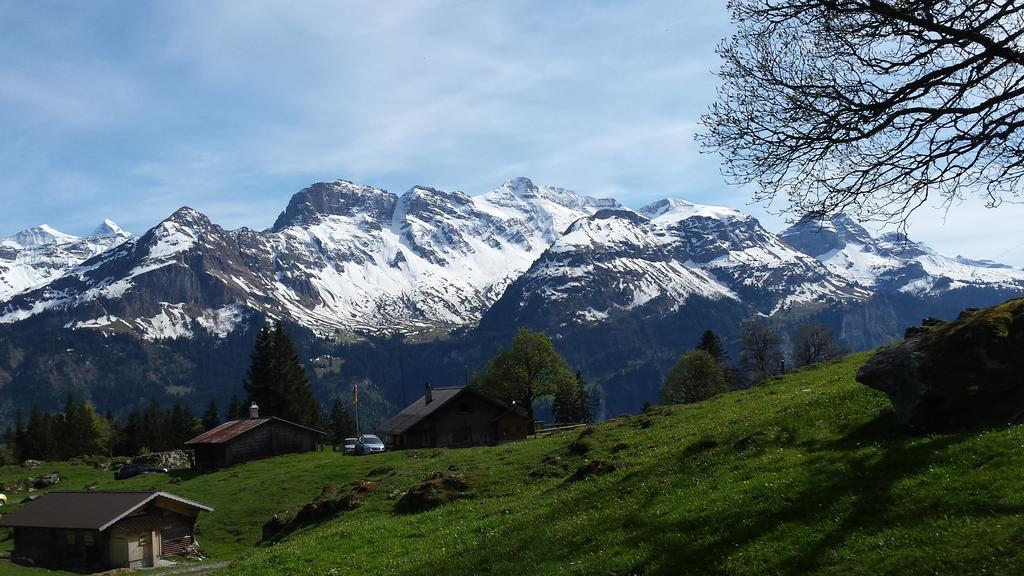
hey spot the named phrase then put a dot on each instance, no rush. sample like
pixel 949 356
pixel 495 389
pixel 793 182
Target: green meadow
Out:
pixel 807 474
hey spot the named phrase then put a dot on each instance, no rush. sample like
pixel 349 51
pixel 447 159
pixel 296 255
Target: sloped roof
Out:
pixel 85 510
pixel 235 428
pixel 418 410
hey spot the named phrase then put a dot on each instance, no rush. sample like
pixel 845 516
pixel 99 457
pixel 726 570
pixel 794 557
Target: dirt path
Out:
pixel 195 569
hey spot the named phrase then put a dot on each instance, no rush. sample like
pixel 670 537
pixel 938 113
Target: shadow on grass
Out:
pixel 848 490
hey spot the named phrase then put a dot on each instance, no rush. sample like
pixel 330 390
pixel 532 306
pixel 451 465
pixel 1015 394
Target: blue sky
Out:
pixel 129 110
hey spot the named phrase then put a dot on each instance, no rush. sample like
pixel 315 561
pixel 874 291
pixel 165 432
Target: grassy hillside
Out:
pixel 808 474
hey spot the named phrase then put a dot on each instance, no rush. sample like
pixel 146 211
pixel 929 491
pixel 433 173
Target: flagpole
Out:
pixel 355 400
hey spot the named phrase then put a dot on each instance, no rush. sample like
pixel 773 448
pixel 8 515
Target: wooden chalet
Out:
pixel 455 417
pixel 251 438
pixel 102 530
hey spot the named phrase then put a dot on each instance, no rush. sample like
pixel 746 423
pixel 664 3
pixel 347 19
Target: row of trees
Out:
pixel 79 431
pixel 276 382
pixel 704 371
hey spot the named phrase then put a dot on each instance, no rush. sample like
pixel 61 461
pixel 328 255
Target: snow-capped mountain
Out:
pixel 620 262
pixel 36 256
pixel 755 264
pixel 341 256
pixel 892 262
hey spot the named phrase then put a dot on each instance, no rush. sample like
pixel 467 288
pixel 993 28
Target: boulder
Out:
pixel 961 373
pixel 46 480
pixel 172 459
pixel 31 464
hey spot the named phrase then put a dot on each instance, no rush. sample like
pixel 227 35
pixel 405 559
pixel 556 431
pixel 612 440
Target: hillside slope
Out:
pixel 809 474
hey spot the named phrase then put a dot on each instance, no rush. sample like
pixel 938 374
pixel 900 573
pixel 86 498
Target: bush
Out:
pixel 697 376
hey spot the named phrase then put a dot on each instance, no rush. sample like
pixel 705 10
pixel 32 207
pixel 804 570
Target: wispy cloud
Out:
pixel 131 110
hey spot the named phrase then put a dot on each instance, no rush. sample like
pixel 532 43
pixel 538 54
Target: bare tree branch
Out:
pixel 871 106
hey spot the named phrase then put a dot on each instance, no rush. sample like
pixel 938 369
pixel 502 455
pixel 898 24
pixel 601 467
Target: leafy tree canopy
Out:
pixel 528 369
pixel 696 376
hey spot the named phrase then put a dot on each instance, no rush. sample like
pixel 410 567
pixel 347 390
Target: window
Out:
pixel 70 538
pixel 465 407
pixel 87 539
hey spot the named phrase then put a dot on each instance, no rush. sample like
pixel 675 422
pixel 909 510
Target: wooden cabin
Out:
pixel 455 417
pixel 251 438
pixel 102 530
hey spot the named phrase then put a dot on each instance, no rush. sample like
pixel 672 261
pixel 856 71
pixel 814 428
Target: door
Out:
pixel 140 551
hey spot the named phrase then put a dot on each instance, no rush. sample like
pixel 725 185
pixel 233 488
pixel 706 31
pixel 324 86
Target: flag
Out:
pixel 355 392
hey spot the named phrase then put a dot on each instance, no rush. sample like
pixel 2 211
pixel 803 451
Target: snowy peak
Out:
pixel 892 261
pixel 36 236
pixel 668 211
pixel 609 230
pixel 108 229
pixel 35 257
pixel 816 237
pixel 339 198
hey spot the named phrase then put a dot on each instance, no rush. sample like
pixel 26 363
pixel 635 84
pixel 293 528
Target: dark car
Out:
pixel 132 470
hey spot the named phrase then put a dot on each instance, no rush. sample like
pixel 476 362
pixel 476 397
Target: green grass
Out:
pixel 809 474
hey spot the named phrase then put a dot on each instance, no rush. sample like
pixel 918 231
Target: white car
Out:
pixel 3 499
pixel 369 444
pixel 349 447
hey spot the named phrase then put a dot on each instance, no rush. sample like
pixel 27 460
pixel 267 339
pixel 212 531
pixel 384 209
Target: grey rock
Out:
pixel 961 373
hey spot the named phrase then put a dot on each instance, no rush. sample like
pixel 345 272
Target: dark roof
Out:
pixel 85 510
pixel 419 409
pixel 234 428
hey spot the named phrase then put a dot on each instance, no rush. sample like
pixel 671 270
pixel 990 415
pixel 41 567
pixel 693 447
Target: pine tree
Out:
pixel 293 390
pixel 20 437
pixel 342 424
pixel 260 385
pixel 712 344
pixel 234 408
pixel 40 443
pixel 210 417
pixel 277 380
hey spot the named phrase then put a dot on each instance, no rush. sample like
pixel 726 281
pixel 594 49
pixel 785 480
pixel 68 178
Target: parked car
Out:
pixel 3 499
pixel 132 470
pixel 349 447
pixel 369 444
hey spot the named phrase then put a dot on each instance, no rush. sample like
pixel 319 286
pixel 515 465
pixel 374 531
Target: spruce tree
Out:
pixel 260 385
pixel 298 403
pixel 712 344
pixel 210 417
pixel 234 408
pixel 20 437
pixel 277 380
pixel 342 424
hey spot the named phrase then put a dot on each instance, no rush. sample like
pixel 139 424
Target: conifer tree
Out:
pixel 712 344
pixel 342 424
pixel 298 403
pixel 210 417
pixel 277 380
pixel 234 408
pixel 19 437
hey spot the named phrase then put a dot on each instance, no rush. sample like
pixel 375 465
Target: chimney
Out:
pixel 254 411
pixel 428 394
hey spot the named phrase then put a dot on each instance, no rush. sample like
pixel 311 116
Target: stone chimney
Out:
pixel 428 394
pixel 254 411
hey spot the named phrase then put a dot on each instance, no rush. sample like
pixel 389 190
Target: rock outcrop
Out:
pixel 965 372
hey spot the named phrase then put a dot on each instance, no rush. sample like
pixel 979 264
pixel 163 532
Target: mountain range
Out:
pixel 454 274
